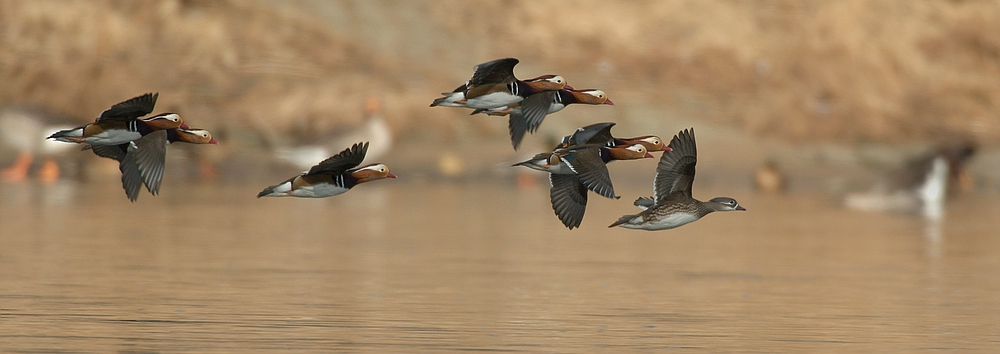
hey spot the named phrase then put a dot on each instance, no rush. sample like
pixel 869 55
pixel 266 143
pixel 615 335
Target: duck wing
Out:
pixel 150 153
pixel 114 152
pixel 528 118
pixel 598 133
pixel 131 178
pixel 339 163
pixel 675 172
pixel 500 71
pixel 569 199
pixel 590 169
pixel 518 126
pixel 534 108
pixel 131 109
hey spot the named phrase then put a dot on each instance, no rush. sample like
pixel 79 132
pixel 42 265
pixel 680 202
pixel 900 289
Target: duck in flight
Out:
pixel 672 204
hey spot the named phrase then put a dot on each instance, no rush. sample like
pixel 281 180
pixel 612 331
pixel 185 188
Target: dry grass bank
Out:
pixel 857 70
pixel 842 70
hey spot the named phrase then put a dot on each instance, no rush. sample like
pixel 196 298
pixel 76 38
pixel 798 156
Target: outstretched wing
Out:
pixel 494 72
pixel 569 199
pixel 591 169
pixel 339 163
pixel 131 109
pixel 599 133
pixel 114 152
pixel 528 116
pixel 518 126
pixel 131 177
pixel 675 172
pixel 534 108
pixel 150 154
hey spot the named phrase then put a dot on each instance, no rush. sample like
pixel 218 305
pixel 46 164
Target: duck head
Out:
pixel 194 136
pixel 548 83
pixel 651 142
pixel 630 152
pixel 590 96
pixel 165 121
pixel 725 204
pixel 372 172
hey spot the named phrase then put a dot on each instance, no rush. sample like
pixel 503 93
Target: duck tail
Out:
pixel 643 203
pixel 446 101
pixel 623 219
pixel 266 192
pixel 66 133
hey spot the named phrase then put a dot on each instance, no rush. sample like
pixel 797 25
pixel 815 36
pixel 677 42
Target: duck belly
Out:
pixel 317 191
pixel 661 223
pixel 493 100
pixel 450 99
pixel 112 137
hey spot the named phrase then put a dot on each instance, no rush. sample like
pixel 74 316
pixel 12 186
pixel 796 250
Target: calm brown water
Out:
pixel 400 266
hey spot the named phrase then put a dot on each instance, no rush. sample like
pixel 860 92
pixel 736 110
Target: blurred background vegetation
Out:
pixel 791 72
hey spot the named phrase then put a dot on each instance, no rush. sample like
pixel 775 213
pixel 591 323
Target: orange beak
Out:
pixel 185 126
pixel 608 101
pixel 213 142
pixel 568 87
pixel 390 175
pixel 648 156
pixel 666 148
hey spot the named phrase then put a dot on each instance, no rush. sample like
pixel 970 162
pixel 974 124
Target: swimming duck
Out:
pixel 121 124
pixel 332 176
pixel 574 170
pixel 142 161
pixel 922 185
pixel 494 85
pixel 319 146
pixel 542 104
pixel 672 204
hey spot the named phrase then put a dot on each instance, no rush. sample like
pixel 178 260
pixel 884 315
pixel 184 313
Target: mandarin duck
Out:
pixel 494 85
pixel 331 177
pixel 521 120
pixel 672 204
pixel 121 123
pixel 142 161
pixel 574 170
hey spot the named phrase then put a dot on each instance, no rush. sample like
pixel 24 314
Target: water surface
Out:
pixel 403 266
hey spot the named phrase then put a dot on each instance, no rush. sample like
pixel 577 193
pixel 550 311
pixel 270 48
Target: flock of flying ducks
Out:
pixel 575 166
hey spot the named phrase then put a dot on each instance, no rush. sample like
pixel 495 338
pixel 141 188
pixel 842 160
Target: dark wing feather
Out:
pixel 644 202
pixel 675 172
pixel 131 109
pixel 150 153
pixel 599 133
pixel 569 199
pixel 518 126
pixel 534 108
pixel 500 71
pixel 131 177
pixel 591 170
pixel 115 152
pixel 339 163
